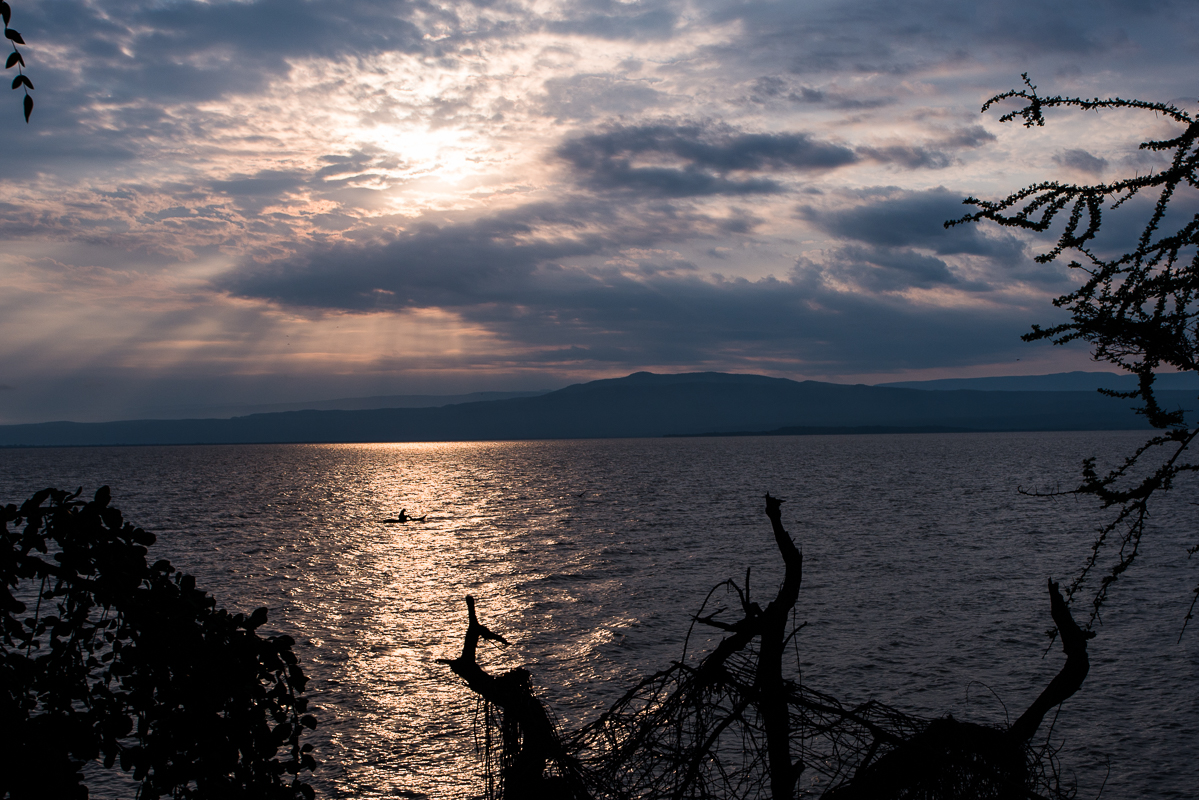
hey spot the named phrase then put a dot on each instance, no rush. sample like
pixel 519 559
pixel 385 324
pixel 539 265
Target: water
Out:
pixel 924 582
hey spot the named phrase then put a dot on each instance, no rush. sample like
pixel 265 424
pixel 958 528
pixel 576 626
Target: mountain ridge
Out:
pixel 1054 382
pixel 639 405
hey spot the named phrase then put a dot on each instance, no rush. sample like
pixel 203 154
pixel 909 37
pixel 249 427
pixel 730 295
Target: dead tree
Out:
pixel 530 741
pixel 734 727
pixel 768 693
pixel 950 759
pixel 1069 679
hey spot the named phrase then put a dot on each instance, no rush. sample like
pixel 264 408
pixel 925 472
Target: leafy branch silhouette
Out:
pixel 129 663
pixel 1137 309
pixel 16 59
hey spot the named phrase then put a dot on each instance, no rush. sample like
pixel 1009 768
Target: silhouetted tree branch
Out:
pixel 531 742
pixel 1069 679
pixel 1137 308
pixel 16 59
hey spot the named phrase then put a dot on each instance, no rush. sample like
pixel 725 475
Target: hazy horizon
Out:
pixel 1087 381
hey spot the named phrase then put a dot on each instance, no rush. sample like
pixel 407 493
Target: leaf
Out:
pixel 19 80
pixel 28 107
pixel 11 33
pixel 283 732
pixel 14 58
pixel 257 618
pixel 6 12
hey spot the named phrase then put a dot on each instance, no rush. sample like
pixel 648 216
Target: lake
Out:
pixel 924 579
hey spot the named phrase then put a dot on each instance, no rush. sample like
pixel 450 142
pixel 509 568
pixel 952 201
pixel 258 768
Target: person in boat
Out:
pixel 403 517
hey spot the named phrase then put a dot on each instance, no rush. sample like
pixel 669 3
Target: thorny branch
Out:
pixel 1137 309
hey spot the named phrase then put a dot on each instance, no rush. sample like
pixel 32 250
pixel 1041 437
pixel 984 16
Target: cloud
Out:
pixel 937 153
pixel 871 37
pixel 915 219
pixel 584 97
pixel 884 269
pixel 561 295
pixel 192 50
pixel 770 87
pixel 908 156
pixel 251 193
pixel 799 322
pixel 607 19
pixel 268 182
pixel 694 160
pixel 1082 161
pixel 969 136
pixel 892 240
pixel 429 265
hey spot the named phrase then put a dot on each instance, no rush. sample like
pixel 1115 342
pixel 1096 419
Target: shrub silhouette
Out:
pixel 128 662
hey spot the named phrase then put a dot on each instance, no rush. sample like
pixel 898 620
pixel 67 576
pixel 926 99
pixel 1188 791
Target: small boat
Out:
pixel 403 518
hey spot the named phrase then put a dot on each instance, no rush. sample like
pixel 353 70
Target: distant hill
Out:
pixel 640 405
pixel 339 404
pixel 1057 382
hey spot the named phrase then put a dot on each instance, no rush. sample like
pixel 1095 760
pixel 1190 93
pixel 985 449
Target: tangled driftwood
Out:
pixel 733 726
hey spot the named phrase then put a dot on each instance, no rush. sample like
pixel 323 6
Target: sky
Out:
pixel 271 201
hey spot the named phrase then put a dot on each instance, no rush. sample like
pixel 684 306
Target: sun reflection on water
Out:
pixel 405 584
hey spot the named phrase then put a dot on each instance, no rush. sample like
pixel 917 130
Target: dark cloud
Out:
pixel 885 269
pixel 907 156
pixel 1081 161
pixel 428 266
pixel 937 153
pixel 916 219
pixel 770 86
pixel 798 321
pixel 504 275
pixel 774 87
pixel 265 182
pixel 608 19
pixel 667 182
pixel 143 49
pixel 358 165
pixel 873 37
pixel 893 240
pixel 967 137
pixel 693 160
pixel 575 354
pixel 188 213
pixel 500 259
